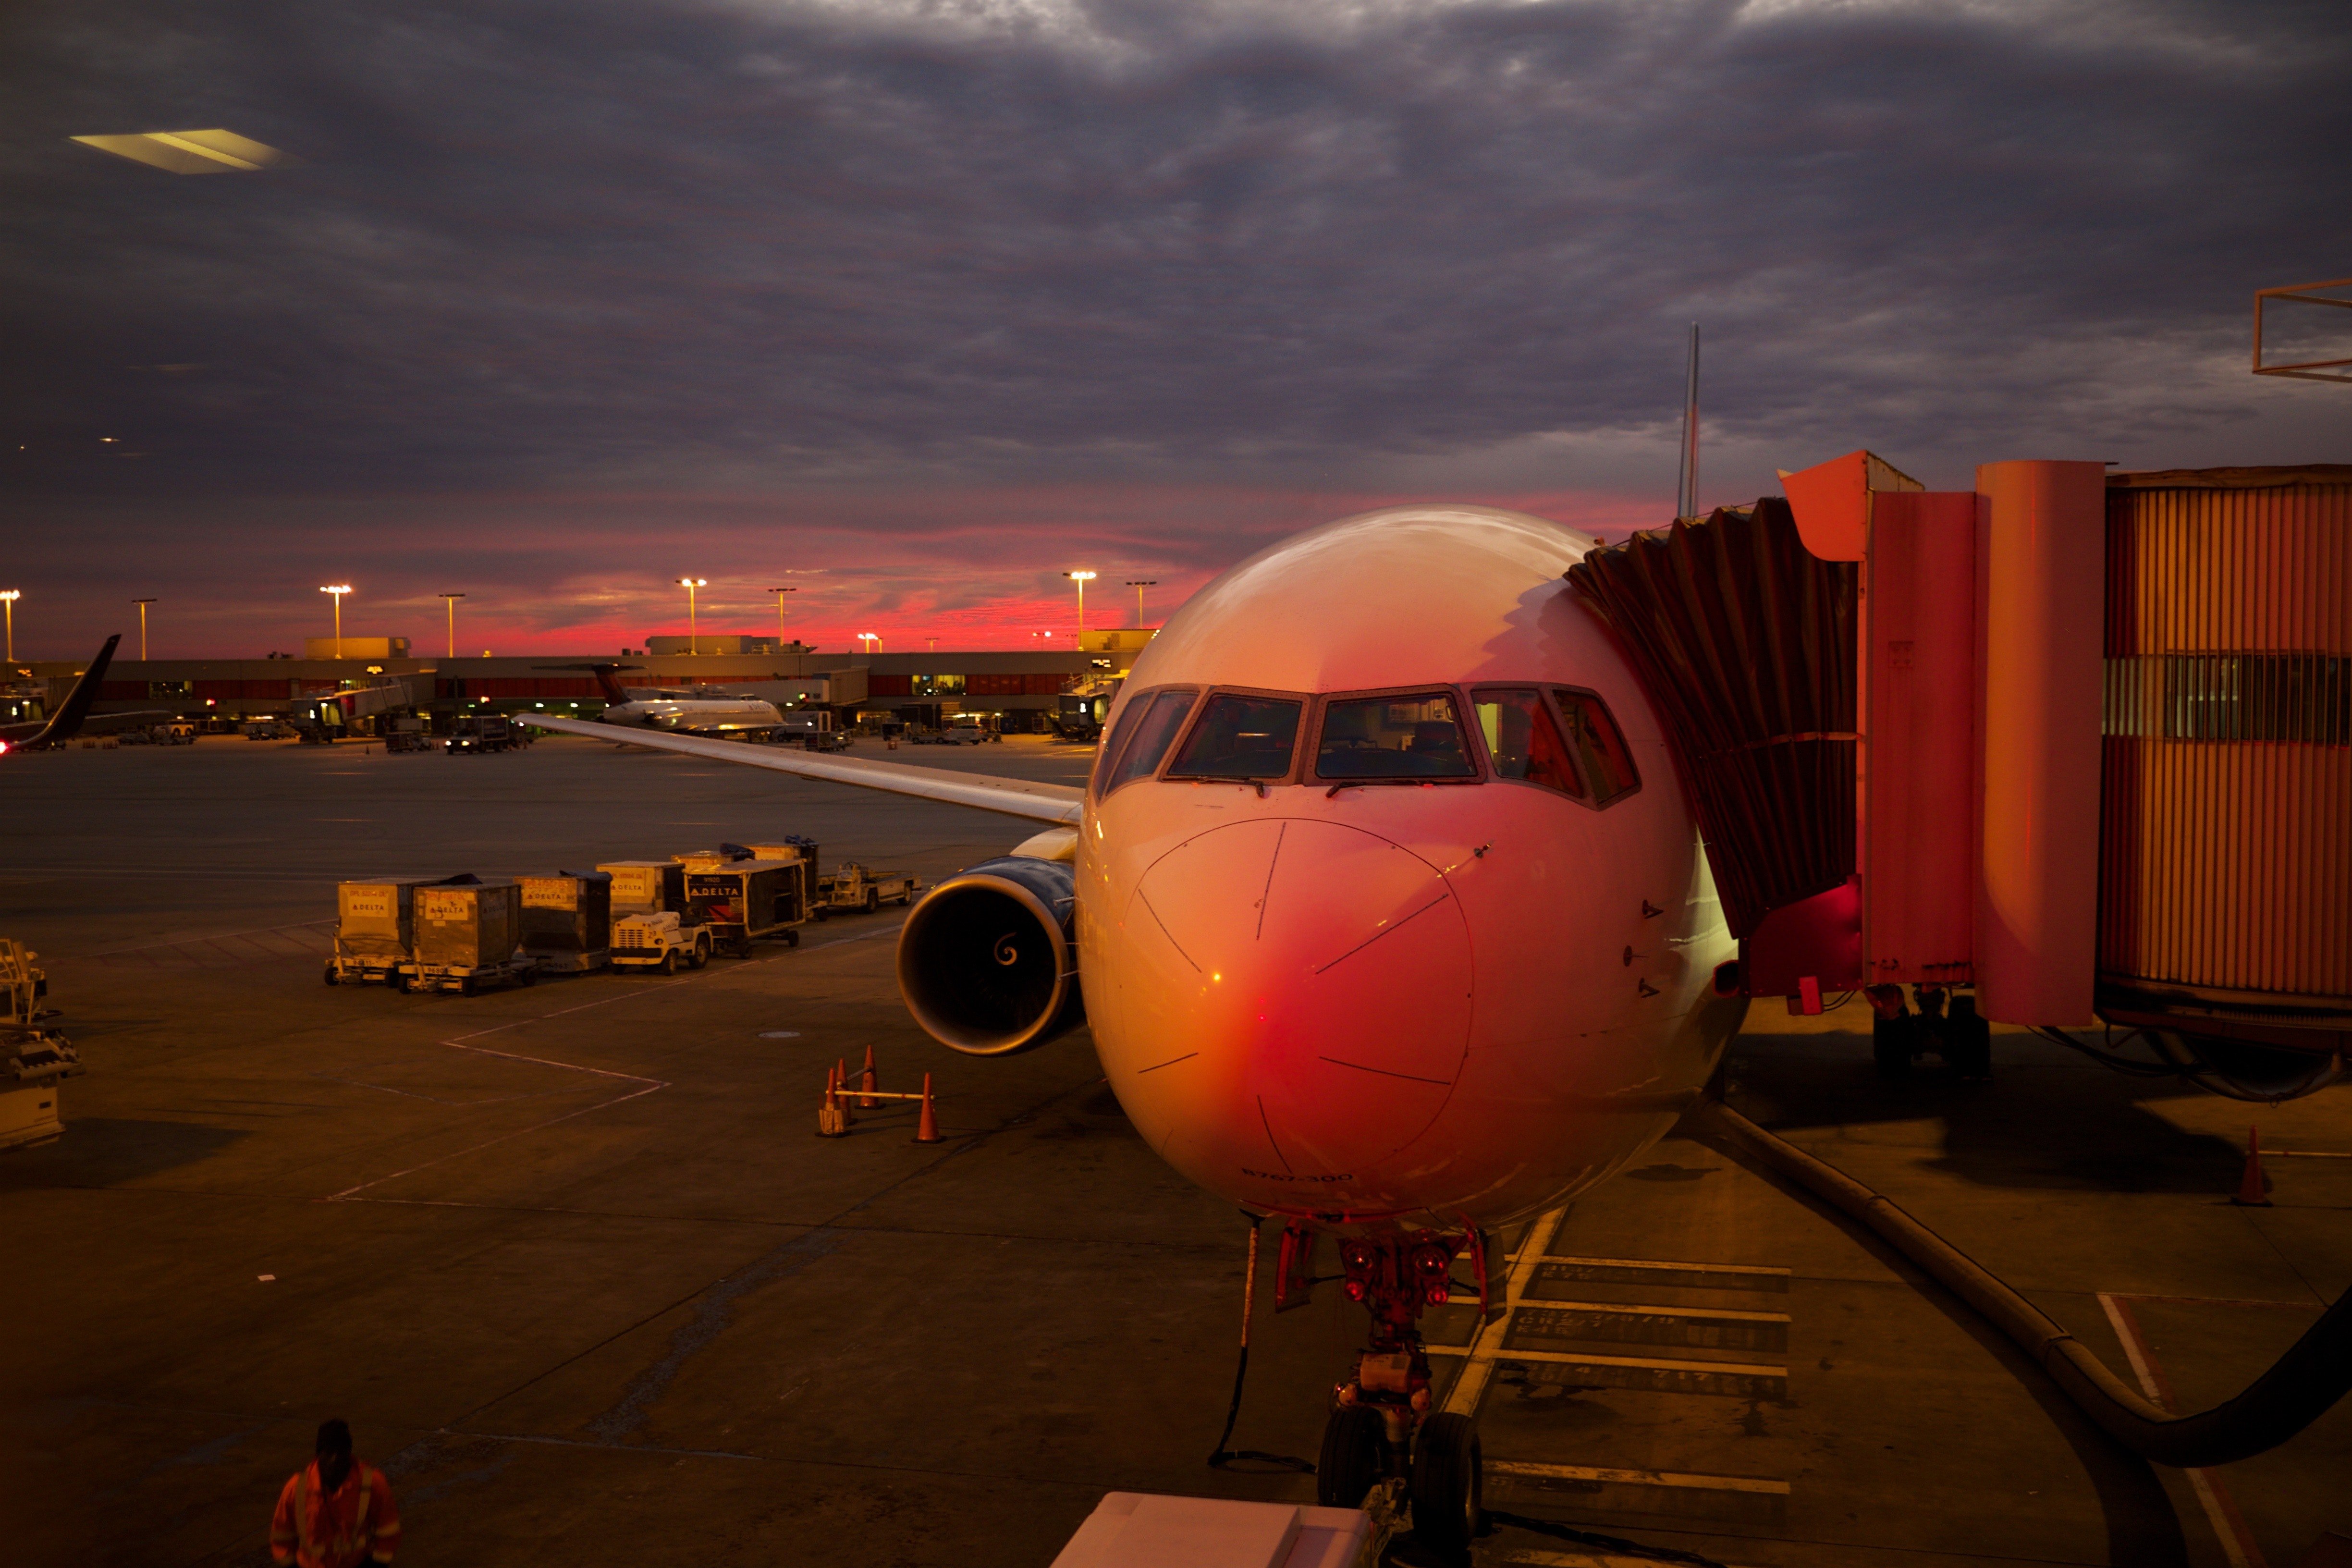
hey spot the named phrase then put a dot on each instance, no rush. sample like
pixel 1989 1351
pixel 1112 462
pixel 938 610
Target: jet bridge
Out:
pixel 2078 743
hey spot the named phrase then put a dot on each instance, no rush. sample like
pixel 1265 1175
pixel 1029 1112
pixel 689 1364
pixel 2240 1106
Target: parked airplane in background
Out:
pixel 73 715
pixel 1391 916
pixel 686 709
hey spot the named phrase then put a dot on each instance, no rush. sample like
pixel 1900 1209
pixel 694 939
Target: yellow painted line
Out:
pixel 1470 1385
pixel 1731 1269
pixel 1756 1484
pixel 1624 1309
pixel 1645 1363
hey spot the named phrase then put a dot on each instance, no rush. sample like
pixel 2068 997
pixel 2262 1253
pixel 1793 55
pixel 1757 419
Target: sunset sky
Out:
pixel 915 304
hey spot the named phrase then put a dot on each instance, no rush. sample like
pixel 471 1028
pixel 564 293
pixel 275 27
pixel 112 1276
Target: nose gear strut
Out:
pixel 1383 1425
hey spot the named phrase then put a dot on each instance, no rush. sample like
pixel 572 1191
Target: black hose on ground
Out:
pixel 2297 1389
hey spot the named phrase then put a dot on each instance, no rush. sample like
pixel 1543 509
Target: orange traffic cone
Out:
pixel 867 1083
pixel 832 1119
pixel 2250 1186
pixel 926 1130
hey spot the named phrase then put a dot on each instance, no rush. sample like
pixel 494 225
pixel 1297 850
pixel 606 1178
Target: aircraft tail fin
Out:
pixel 608 679
pixel 66 723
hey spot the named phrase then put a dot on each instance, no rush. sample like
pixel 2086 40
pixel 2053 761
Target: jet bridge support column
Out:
pixel 2040 605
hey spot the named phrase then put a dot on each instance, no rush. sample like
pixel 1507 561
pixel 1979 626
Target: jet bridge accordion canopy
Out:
pixel 1746 643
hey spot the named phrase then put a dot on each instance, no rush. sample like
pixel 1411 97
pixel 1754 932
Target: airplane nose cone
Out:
pixel 1319 976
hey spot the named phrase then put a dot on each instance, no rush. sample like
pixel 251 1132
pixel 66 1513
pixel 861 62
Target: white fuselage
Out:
pixel 1426 1002
pixel 696 713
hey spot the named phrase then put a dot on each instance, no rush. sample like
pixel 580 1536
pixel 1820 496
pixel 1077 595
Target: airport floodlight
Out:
pixel 143 605
pixel 339 590
pixel 1140 584
pixel 8 596
pixel 873 641
pixel 214 152
pixel 1081 579
pixel 2309 335
pixel 452 599
pixel 693 636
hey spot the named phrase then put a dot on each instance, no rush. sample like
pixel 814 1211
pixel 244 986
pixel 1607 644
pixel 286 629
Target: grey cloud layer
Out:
pixel 579 243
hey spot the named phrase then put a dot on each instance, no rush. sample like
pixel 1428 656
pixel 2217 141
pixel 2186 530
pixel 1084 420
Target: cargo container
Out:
pixel 791 847
pixel 470 936
pixel 748 901
pixel 567 920
pixel 375 929
pixel 644 887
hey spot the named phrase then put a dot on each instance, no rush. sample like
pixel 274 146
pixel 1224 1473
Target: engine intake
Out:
pixel 986 963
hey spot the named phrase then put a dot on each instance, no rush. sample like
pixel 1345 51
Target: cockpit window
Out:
pixel 1598 744
pixel 1414 736
pixel 1523 743
pixel 1146 730
pixel 1240 737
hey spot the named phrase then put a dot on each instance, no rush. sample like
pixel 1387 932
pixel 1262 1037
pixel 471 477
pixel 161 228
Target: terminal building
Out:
pixel 376 679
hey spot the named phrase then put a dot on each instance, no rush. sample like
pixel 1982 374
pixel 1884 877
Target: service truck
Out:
pixel 474 732
pixel 854 887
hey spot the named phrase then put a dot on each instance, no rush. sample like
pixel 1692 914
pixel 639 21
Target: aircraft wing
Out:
pixel 1058 804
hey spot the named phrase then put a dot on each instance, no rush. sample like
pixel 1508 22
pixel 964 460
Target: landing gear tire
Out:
pixel 1352 1461
pixel 1970 1040
pixel 1448 1483
pixel 1890 1047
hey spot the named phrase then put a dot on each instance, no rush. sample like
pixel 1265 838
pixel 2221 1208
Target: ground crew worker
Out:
pixel 337 1512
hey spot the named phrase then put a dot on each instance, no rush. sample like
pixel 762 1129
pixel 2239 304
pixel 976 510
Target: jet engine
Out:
pixel 986 962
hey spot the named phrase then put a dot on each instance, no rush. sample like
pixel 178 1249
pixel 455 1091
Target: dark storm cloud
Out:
pixel 775 243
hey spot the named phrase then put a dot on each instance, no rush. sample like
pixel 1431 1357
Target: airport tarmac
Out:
pixel 572 1261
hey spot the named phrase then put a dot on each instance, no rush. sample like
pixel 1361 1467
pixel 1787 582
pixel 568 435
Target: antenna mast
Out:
pixel 1686 491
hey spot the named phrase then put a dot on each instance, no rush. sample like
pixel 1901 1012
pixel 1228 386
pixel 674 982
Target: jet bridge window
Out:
pixel 1417 735
pixel 1598 744
pixel 1239 737
pixel 1146 730
pixel 1524 744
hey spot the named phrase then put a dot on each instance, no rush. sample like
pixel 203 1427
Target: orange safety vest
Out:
pixel 355 1523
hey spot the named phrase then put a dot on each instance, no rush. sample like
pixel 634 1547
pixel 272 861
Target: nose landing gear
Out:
pixel 1383 1423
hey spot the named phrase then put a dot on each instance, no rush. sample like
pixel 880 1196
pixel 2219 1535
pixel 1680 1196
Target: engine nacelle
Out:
pixel 986 962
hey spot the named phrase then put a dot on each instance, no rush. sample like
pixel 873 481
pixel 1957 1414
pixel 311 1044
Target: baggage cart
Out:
pixel 745 901
pixel 567 921
pixel 469 937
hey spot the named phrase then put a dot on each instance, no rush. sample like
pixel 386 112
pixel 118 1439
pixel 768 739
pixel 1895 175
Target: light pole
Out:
pixel 780 593
pixel 339 590
pixel 693 637
pixel 1140 584
pixel 143 605
pixel 873 641
pixel 1081 579
pixel 452 599
pixel 9 597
